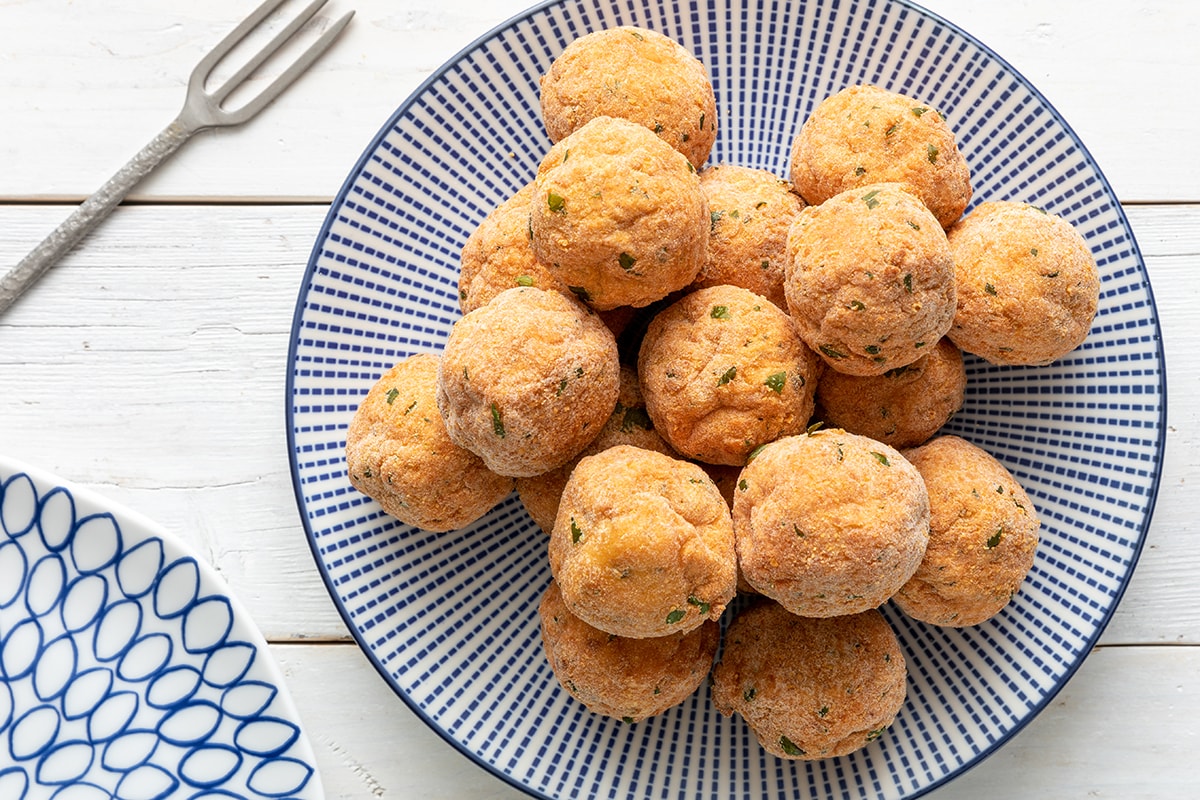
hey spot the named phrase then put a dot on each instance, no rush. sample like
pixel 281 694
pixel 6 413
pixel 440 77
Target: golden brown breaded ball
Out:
pixel 398 453
pixel 498 255
pixel 636 74
pixel 750 212
pixel 810 688
pixel 629 424
pixel 870 279
pixel 902 407
pixel 723 371
pixel 829 522
pixel 982 541
pixel 527 380
pixel 618 216
pixel 1028 286
pixel 643 544
pixel 629 679
pixel 866 135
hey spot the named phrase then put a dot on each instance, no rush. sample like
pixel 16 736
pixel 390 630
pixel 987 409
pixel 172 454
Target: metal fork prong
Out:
pixel 259 58
pixel 285 79
pixel 222 48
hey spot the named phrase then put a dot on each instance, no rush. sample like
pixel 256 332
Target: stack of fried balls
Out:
pixel 730 382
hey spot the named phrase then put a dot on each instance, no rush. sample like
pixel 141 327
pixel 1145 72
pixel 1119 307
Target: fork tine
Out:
pixel 267 51
pixel 289 75
pixel 205 66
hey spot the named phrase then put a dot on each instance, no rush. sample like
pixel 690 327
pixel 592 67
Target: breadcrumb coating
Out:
pixel 399 454
pixel 810 688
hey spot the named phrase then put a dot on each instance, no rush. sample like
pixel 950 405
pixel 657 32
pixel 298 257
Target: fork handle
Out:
pixel 90 213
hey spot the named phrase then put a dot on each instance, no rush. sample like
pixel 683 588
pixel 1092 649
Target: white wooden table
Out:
pixel 150 364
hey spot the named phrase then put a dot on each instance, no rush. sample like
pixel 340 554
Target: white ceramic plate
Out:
pixel 126 668
pixel 450 620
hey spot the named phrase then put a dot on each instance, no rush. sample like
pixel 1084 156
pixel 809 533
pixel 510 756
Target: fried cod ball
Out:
pixel 810 688
pixel 866 135
pixel 399 454
pixel 870 279
pixel 629 679
pixel 750 212
pixel 983 535
pixel 723 371
pixel 527 380
pixel 628 424
pixel 643 544
pixel 902 407
pixel 829 523
pixel 635 74
pixel 498 255
pixel 1028 286
pixel 618 216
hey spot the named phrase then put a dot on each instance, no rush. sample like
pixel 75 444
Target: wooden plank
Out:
pixel 167 332
pixel 97 80
pixel 1129 713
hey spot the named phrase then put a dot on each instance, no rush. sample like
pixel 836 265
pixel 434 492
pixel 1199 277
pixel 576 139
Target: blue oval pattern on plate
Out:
pixel 126 669
pixel 450 620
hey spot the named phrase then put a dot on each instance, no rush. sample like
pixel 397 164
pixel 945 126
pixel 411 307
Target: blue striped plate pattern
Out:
pixel 449 620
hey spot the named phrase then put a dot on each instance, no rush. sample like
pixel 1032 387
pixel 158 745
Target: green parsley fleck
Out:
pixel 576 532
pixel 994 539
pixel 675 616
pixel 626 261
pixel 814 427
pixel 872 349
pixel 583 294
pixel 755 452
pixel 931 152
pixel 637 36
pixel 729 375
pixel 627 720
pixel 824 710
pixel 856 305
pixel 776 381
pixel 1033 251
pixel 719 312
pixel 895 127
pixel 742 485
pixel 881 458
pixel 913 225
pixel 497 422
pixel 875 734
pixel 917 112
pixel 789 747
pixel 796 530
pixel 989 288
pixel 561 386
pixel 908 282
pixel 524 280
pixel 391 395
pixel 749 694
pixel 860 170
pixel 556 202
pixel 831 351
pixel 700 604
pixel 411 406
pixel 869 198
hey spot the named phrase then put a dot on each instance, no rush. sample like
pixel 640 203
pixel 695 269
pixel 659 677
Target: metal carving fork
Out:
pixel 201 109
